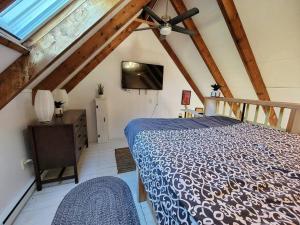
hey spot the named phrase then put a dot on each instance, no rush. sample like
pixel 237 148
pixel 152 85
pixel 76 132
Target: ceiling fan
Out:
pixel 166 24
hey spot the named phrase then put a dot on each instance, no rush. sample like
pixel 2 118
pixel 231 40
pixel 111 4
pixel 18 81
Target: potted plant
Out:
pixel 100 91
pixel 58 108
pixel 216 90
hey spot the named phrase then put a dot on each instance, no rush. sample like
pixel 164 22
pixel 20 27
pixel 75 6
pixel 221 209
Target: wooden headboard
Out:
pixel 285 116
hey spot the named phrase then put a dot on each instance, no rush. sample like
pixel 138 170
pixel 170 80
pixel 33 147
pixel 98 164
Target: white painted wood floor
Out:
pixel 96 161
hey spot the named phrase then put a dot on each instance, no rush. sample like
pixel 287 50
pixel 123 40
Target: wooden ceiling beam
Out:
pixel 70 85
pixel 28 67
pixel 12 45
pixel 76 59
pixel 173 56
pixel 239 36
pixel 4 4
pixel 84 72
pixel 179 65
pixel 199 43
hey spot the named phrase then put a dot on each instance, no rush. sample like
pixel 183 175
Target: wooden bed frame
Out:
pixel 287 114
pixel 287 117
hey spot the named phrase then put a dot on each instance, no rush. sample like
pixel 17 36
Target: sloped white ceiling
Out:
pixel 272 27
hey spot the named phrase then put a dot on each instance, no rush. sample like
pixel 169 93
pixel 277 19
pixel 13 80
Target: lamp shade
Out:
pixel 61 95
pixel 44 105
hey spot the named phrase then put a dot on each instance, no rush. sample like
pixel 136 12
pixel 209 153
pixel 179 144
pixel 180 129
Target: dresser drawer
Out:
pixel 54 146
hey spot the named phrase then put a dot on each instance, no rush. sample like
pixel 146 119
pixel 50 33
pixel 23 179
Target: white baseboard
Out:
pixel 12 211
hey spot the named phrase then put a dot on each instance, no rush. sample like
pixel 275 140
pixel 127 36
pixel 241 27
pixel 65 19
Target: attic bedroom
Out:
pixel 149 112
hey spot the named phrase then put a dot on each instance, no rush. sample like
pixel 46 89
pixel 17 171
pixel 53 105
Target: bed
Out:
pixel 217 170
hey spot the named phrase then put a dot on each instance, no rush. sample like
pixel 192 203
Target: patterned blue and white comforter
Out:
pixel 138 125
pixel 239 174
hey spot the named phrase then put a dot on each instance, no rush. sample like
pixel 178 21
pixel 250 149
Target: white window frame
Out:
pixel 20 41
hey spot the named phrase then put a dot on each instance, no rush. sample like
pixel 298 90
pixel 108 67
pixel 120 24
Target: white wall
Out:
pixel 14 119
pixel 124 106
pixel 7 57
pixel 274 34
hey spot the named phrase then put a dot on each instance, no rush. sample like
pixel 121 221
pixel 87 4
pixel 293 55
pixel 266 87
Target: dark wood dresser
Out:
pixel 58 144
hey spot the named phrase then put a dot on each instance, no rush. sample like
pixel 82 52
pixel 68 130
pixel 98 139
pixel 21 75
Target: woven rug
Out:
pixel 100 201
pixel 125 162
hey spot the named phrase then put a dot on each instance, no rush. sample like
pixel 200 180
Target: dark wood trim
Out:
pixel 179 65
pixel 12 45
pixel 62 153
pixel 4 4
pixel 60 178
pixel 243 112
pixel 142 191
pixel 91 45
pixel 239 36
pixel 100 56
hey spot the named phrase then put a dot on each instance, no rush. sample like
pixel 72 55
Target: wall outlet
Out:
pixel 25 162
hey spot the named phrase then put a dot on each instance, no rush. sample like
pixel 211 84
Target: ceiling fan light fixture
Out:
pixel 166 24
pixel 165 30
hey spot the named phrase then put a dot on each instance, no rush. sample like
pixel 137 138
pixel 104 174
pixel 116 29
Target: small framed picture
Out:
pixel 186 97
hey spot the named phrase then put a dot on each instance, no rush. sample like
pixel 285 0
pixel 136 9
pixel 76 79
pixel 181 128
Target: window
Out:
pixel 23 17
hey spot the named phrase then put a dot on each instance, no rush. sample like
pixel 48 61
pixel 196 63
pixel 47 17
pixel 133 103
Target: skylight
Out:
pixel 23 17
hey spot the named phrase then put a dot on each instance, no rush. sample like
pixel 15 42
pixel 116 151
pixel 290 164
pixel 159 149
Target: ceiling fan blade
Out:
pixel 150 23
pixel 153 15
pixel 183 16
pixel 182 30
pixel 145 28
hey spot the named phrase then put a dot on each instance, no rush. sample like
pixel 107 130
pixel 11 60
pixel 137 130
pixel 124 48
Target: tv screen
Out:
pixel 142 76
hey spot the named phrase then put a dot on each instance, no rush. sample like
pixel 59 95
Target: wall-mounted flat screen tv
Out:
pixel 142 76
